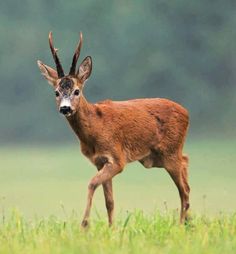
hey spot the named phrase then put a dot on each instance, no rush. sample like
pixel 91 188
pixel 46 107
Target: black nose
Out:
pixel 65 110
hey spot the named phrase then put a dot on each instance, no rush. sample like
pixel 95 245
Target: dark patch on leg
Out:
pixel 100 161
pixel 92 186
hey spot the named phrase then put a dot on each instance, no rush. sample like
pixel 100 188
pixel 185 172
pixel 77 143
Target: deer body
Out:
pixel 114 133
pixel 143 129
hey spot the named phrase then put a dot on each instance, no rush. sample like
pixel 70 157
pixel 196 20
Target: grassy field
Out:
pixel 48 186
pixel 135 233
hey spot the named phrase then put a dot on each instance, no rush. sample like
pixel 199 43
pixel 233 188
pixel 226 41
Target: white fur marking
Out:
pixel 65 102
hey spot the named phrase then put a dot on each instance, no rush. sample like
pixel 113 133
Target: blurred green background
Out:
pixel 182 50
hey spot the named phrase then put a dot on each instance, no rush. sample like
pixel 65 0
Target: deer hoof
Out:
pixel 85 224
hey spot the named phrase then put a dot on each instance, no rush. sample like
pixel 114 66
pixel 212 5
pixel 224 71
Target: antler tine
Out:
pixel 76 55
pixel 60 71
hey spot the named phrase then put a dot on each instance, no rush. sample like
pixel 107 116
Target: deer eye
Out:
pixel 57 93
pixel 76 92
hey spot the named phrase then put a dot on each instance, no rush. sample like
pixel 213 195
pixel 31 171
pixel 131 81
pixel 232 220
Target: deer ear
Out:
pixel 85 69
pixel 49 73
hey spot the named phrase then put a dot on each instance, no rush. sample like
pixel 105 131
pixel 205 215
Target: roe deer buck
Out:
pixel 114 133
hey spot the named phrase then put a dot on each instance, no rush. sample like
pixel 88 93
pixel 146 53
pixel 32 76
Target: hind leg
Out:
pixel 185 174
pixel 177 169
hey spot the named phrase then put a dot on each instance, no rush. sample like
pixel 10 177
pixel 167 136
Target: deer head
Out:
pixel 68 88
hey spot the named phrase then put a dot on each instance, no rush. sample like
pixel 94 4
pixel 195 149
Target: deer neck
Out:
pixel 82 121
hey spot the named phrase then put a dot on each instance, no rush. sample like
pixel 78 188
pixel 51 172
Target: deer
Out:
pixel 112 134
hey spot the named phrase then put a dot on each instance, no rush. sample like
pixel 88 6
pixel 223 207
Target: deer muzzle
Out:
pixel 65 106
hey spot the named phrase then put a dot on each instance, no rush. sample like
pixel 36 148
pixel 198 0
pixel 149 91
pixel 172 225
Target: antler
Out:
pixel 60 71
pixel 76 55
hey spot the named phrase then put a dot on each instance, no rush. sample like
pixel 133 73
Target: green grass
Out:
pixel 48 186
pixel 135 233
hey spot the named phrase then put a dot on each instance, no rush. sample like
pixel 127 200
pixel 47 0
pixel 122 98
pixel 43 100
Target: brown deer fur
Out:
pixel 114 133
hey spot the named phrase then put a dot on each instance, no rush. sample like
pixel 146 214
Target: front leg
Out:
pixel 108 171
pixel 108 194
